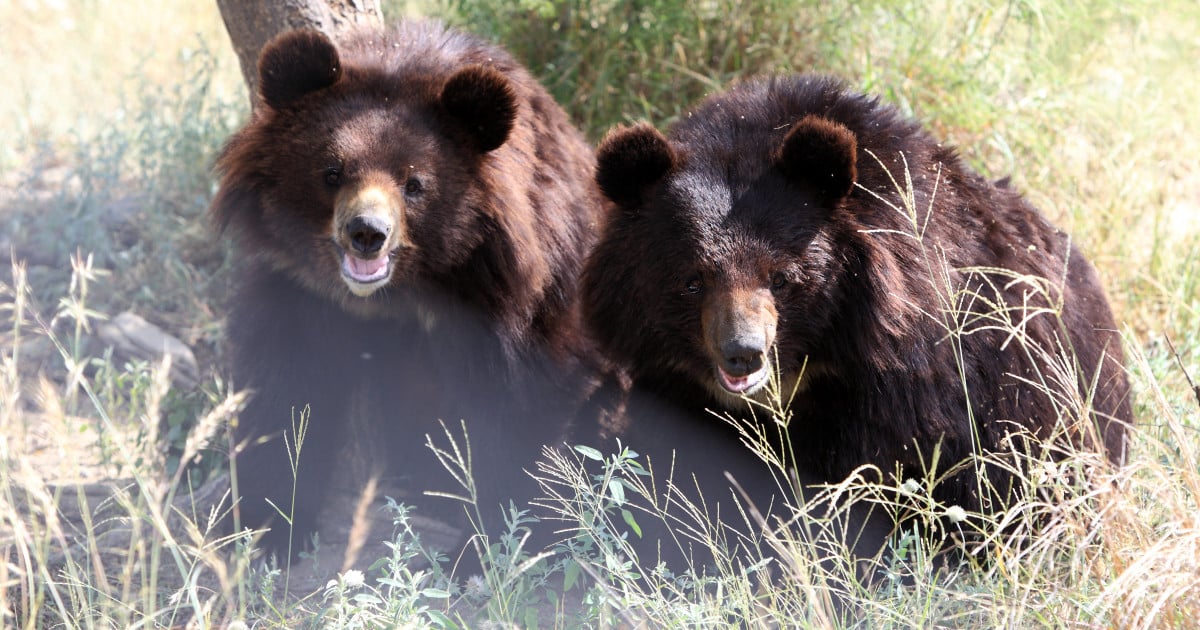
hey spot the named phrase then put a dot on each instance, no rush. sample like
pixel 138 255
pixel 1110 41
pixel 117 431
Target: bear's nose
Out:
pixel 367 234
pixel 743 355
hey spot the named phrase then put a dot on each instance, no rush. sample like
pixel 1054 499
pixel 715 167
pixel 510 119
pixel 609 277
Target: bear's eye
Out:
pixel 694 285
pixel 413 187
pixel 333 176
pixel 778 281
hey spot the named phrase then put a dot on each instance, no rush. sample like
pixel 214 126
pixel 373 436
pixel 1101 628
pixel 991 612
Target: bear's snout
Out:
pixel 739 329
pixel 742 354
pixel 368 228
pixel 367 234
pixel 369 219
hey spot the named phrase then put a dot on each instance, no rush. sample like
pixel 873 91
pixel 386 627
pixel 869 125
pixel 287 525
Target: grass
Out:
pixel 113 115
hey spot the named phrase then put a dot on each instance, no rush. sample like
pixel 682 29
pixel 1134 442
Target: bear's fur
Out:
pixel 772 230
pixel 412 210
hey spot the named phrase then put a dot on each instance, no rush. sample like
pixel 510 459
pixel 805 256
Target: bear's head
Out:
pixel 719 265
pixel 358 174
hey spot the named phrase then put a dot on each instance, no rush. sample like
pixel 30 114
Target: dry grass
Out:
pixel 1090 106
pixel 72 66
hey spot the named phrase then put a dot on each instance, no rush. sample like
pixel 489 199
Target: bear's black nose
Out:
pixel 742 356
pixel 367 234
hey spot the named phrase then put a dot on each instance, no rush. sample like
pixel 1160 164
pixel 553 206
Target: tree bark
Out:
pixel 252 23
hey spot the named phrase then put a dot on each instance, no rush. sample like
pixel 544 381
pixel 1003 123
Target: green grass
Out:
pixel 112 115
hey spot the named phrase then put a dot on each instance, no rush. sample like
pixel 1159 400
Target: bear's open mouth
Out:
pixel 361 270
pixel 364 276
pixel 744 385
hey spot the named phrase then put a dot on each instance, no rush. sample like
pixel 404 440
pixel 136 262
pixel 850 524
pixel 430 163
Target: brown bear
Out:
pixel 412 211
pixel 794 232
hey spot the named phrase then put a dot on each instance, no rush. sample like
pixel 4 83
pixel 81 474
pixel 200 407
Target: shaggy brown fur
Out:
pixel 766 231
pixel 412 211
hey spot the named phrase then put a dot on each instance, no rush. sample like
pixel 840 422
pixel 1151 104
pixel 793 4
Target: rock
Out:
pixel 121 218
pixel 135 338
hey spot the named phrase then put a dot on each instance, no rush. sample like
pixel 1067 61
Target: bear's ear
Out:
pixel 294 64
pixel 630 160
pixel 820 154
pixel 482 100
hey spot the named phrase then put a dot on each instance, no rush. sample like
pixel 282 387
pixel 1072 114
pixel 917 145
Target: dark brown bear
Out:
pixel 792 227
pixel 412 211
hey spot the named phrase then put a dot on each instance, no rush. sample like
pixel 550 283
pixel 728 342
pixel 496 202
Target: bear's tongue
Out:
pixel 364 270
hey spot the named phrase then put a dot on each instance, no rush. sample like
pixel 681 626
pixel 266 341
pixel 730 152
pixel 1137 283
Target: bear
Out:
pixel 791 238
pixel 411 211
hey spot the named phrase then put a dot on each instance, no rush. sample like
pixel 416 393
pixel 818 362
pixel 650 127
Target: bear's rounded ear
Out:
pixel 821 155
pixel 482 100
pixel 294 64
pixel 630 160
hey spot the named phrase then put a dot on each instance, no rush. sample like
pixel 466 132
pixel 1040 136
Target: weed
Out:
pixel 1090 106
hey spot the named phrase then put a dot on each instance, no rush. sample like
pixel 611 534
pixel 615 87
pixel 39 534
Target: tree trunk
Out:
pixel 252 23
